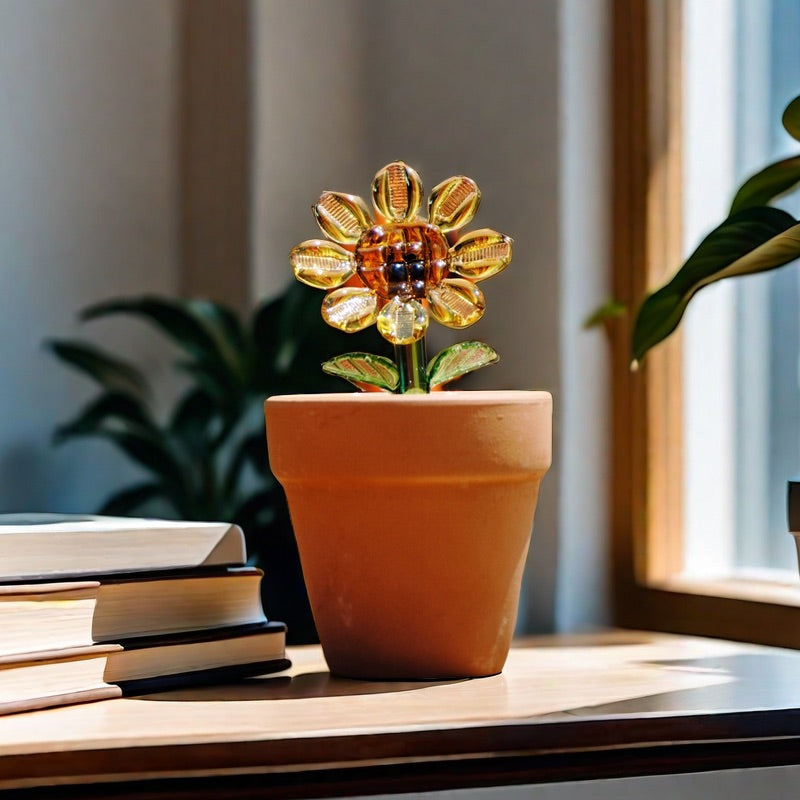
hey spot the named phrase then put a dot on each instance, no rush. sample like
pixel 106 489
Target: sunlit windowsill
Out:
pixel 779 587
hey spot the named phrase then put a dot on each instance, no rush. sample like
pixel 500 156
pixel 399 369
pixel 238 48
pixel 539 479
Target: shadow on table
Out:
pixel 294 687
pixel 753 681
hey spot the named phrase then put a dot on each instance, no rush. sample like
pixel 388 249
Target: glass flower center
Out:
pixel 404 259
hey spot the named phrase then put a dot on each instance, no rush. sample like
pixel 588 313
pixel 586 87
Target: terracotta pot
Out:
pixel 413 515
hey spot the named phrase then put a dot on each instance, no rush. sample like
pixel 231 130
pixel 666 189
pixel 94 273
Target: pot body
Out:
pixel 413 515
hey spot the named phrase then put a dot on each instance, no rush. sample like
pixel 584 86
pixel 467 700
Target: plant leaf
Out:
pixel 791 118
pixel 193 413
pixel 110 405
pixel 611 309
pixel 364 368
pixel 255 447
pixel 291 341
pixel 147 447
pixel 256 513
pixel 458 360
pixel 230 334
pixel 131 499
pixel 171 316
pixel 764 186
pixel 754 240
pixel 265 336
pixel 110 372
pixel 251 450
pixel 227 396
pixel 280 329
pixel 200 328
pixel 299 318
pixel 197 423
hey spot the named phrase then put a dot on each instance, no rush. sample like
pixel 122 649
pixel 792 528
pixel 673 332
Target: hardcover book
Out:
pixel 41 546
pixel 69 614
pixel 144 665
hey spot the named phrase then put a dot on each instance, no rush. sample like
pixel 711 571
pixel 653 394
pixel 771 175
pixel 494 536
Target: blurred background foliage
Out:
pixel 206 458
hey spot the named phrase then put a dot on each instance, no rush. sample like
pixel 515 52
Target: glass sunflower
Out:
pixel 395 268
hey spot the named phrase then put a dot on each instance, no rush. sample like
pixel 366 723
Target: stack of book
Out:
pixel 97 607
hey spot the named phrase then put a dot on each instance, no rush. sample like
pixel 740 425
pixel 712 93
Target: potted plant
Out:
pixel 412 507
pixel 204 459
pixel 754 237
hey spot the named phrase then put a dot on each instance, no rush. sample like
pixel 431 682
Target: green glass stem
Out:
pixel 412 362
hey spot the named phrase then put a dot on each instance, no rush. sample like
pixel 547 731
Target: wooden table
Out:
pixel 617 704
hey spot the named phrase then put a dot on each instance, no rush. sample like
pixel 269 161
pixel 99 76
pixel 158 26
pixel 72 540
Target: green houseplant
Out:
pixel 206 460
pixel 754 237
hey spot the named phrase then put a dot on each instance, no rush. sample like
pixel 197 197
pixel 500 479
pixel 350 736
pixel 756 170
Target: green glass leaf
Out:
pixel 754 240
pixel 458 360
pixel 765 186
pixel 110 372
pixel 791 118
pixel 364 369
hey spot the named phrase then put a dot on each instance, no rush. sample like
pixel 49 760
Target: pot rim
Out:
pixel 478 397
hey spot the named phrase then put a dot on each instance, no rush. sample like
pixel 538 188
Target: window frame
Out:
pixel 646 502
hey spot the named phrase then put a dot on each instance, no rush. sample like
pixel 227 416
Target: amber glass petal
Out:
pixel 397 192
pixel 480 254
pixel 342 217
pixel 350 309
pixel 456 303
pixel 322 264
pixel 453 203
pixel 403 321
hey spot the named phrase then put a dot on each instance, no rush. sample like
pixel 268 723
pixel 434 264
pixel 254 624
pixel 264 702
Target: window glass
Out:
pixel 741 337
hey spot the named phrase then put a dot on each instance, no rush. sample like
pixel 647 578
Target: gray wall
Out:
pixel 582 573
pixel 87 211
